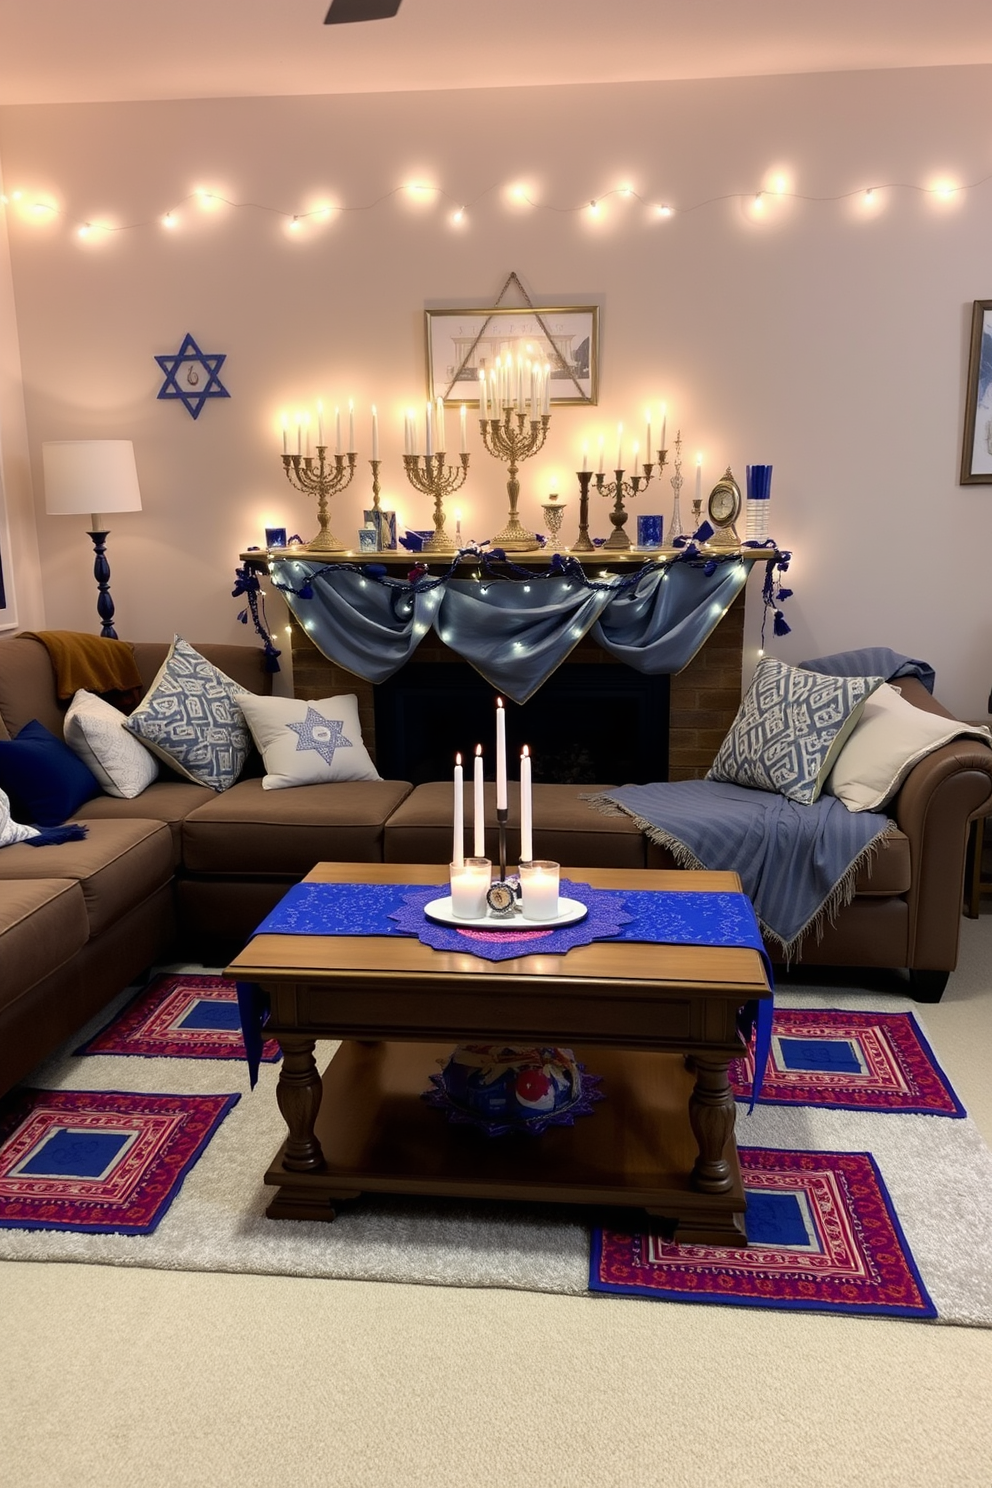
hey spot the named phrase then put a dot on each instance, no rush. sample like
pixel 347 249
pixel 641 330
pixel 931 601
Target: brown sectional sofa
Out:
pixel 78 921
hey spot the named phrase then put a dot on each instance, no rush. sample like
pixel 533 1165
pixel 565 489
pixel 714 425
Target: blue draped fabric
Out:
pixel 873 661
pixel 514 633
pixel 660 625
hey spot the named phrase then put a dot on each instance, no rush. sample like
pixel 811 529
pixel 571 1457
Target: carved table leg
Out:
pixel 298 1093
pixel 711 1115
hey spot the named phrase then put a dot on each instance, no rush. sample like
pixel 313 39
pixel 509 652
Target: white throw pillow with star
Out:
pixel 308 743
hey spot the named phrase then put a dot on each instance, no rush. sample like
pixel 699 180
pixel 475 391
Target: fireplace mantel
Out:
pixel 704 695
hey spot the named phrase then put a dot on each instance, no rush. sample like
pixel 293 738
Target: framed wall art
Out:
pixel 976 452
pixel 463 343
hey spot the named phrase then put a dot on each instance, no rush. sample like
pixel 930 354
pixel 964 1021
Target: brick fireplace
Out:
pixel 703 698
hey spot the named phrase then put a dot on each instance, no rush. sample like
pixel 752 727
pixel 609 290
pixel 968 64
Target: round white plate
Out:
pixel 570 911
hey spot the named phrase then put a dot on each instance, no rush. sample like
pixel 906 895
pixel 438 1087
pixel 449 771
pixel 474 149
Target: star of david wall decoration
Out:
pixel 192 376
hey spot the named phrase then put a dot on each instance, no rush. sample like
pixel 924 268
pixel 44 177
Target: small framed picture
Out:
pixel 463 343
pixel 976 452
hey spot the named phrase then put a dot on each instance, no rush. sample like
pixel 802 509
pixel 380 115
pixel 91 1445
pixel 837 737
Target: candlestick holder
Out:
pixel 514 438
pixel 620 491
pixel 675 526
pixel 321 479
pixel 554 514
pixel 697 513
pixel 438 480
pixel 583 543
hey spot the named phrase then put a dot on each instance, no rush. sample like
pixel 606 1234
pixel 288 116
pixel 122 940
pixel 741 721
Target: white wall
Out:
pixel 829 340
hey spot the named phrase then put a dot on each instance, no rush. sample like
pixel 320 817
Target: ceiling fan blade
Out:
pixel 344 11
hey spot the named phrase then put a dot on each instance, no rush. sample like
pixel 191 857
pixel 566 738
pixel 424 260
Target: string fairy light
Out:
pixel 945 191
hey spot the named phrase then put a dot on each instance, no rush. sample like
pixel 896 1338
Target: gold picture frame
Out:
pixel 460 343
pixel 976 448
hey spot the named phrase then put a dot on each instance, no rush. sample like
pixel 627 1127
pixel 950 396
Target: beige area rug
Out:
pixel 938 1172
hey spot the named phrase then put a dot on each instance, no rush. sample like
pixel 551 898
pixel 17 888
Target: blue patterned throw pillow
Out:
pixel 191 719
pixel 790 728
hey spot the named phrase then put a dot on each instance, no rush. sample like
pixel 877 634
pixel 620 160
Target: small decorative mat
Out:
pixel 606 918
pixel 180 1017
pixel 99 1161
pixel 849 1062
pixel 822 1237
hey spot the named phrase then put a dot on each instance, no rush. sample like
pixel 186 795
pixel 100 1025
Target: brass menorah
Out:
pixel 438 480
pixel 514 438
pixel 317 477
pixel 621 490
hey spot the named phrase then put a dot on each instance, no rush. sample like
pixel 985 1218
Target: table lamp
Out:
pixel 95 476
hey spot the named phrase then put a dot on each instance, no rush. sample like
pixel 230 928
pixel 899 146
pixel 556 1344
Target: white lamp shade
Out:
pixel 90 475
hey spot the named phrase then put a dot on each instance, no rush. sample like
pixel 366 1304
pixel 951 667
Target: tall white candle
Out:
pixel 375 433
pixel 458 833
pixel 602 465
pixel 285 434
pixel 429 450
pixel 407 433
pixel 306 424
pixel 647 443
pixel 483 410
pixel 699 477
pixel 634 455
pixel 546 407
pixel 463 428
pixel 619 464
pixel 351 427
pixel 299 433
pixel 585 457
pixel 520 384
pixel 479 802
pixel 526 809
pixel 337 431
pixel 442 442
pixel 500 755
pixel 664 425
pixel 320 422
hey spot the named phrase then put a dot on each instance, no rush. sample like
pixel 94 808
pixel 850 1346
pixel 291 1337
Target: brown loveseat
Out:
pixel 80 920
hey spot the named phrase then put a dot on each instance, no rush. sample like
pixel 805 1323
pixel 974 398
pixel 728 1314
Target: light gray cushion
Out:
pixel 191 718
pixel 790 729
pixel 95 730
pixel 308 743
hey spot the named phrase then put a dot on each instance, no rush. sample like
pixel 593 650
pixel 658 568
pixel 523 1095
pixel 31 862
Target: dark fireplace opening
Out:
pixel 589 724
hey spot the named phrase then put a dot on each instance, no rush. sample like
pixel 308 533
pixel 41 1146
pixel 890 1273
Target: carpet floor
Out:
pixel 938 1173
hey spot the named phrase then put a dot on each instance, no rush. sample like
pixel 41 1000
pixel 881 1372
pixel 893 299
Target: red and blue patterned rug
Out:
pixel 101 1162
pixel 179 1017
pixel 822 1236
pixel 846 1061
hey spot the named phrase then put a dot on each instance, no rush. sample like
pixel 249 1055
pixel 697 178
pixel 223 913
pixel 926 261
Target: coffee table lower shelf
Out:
pixel 635 1150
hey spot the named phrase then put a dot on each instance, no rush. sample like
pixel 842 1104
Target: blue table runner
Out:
pixel 684 917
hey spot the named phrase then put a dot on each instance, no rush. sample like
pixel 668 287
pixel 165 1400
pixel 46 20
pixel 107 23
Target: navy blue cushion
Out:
pixel 45 781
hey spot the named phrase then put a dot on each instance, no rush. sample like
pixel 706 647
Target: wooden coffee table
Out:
pixel 657 1022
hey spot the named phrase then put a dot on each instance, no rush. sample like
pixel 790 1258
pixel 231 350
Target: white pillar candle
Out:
pixel 429 433
pixel 469 886
pixel 463 428
pixel 634 455
pixel 479 803
pixel 539 890
pixel 351 428
pixel 483 410
pixel 619 464
pixel 526 809
pixel 585 457
pixel 337 431
pixel 375 433
pixel 442 442
pixel 500 755
pixel 320 422
pixel 458 831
